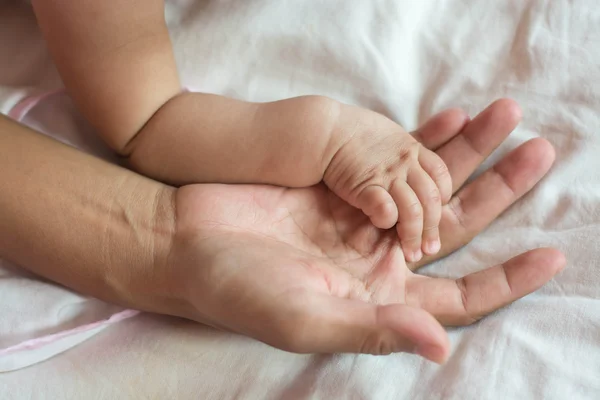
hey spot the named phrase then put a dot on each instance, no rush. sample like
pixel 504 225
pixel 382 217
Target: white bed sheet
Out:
pixel 407 59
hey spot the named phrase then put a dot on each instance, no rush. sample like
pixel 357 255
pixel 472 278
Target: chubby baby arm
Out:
pixel 200 138
pixel 116 61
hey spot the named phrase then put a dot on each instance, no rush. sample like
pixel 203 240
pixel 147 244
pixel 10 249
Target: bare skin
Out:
pixel 337 284
pixel 299 269
pixel 117 62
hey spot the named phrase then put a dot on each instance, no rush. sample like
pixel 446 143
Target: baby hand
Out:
pixel 382 170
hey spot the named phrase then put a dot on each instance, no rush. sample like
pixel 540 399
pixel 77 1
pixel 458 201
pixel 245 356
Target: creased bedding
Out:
pixel 407 59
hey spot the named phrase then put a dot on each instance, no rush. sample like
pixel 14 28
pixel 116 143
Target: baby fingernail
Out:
pixel 432 246
pixel 417 255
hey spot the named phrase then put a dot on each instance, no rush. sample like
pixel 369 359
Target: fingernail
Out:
pixel 432 247
pixel 431 353
pixel 417 255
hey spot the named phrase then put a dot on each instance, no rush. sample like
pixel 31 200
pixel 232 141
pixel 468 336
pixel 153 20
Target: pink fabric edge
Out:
pixel 33 344
pixel 21 109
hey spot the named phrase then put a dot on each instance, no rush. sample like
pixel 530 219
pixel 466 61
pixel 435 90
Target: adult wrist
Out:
pixel 160 284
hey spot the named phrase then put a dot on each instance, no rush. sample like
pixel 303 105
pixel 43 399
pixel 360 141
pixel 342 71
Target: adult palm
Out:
pixel 301 270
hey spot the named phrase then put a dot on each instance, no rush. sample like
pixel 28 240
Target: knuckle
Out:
pixel 376 344
pixel 432 229
pixel 392 168
pixel 440 171
pixel 410 152
pixel 415 147
pixel 460 216
pixel 409 237
pixel 368 177
pixel 414 211
pixel 433 198
pixel 411 243
pixel 467 317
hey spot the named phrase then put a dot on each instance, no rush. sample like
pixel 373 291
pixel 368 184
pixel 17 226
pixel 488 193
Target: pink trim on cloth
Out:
pixel 43 340
pixel 20 110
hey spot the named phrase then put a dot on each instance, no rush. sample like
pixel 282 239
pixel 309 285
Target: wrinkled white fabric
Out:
pixel 407 59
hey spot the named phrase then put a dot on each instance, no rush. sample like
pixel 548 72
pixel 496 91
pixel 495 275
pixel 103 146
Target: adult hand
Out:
pixel 301 270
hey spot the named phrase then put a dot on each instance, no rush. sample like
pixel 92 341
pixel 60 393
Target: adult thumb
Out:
pixel 337 325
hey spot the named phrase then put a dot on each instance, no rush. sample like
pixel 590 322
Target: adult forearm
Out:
pixel 82 222
pixel 201 138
